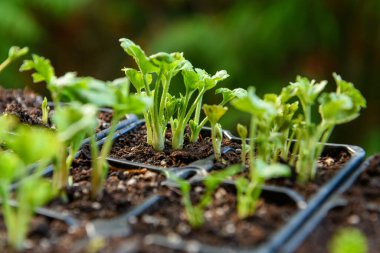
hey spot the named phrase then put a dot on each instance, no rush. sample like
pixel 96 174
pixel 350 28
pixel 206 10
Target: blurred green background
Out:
pixel 260 43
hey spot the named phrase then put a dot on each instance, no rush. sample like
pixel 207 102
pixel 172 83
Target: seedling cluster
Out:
pixel 282 129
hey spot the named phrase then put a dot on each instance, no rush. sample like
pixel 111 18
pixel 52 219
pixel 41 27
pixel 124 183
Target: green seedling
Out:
pixel 263 115
pixel 348 240
pixel 214 113
pixel 72 123
pixel 25 146
pixel 153 78
pixel 124 103
pixel 335 108
pixel 228 95
pixel 194 212
pixel 85 96
pixel 45 111
pixel 13 54
pixel 249 190
pixel 243 133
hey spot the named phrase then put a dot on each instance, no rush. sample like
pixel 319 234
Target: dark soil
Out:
pixel 133 147
pixel 362 211
pixel 222 226
pixel 123 189
pixel 26 106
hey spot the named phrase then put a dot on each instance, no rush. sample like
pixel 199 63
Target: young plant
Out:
pixel 72 123
pixel 45 111
pixel 157 71
pixel 13 54
pixel 249 190
pixel 194 212
pixel 243 132
pixel 335 108
pixel 214 113
pixel 228 95
pixel 24 147
pixel 123 104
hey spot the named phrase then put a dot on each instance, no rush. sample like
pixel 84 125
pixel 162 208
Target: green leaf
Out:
pixel 307 91
pixel 11 167
pixel 74 121
pixel 348 240
pixel 16 52
pixel 228 94
pixel 337 108
pixel 348 89
pixel 138 54
pixel 212 181
pixel 242 131
pixel 214 112
pixel 208 81
pixel 271 171
pixel 35 193
pixel 137 79
pixel 254 105
pixel 191 79
pixel 43 68
pixel 33 144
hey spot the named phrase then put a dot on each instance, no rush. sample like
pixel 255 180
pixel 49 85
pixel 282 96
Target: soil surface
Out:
pixel 222 226
pixel 362 211
pixel 26 106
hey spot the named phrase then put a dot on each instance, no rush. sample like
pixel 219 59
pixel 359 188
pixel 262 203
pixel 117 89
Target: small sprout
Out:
pixel 348 240
pixel 194 212
pixel 13 54
pixel 214 113
pixel 249 190
pixel 45 111
pixel 243 133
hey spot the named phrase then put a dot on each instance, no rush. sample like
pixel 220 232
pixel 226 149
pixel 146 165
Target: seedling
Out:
pixel 157 71
pixel 194 212
pixel 25 146
pixel 335 108
pixel 45 111
pixel 249 190
pixel 214 113
pixel 13 54
pixel 228 95
pixel 243 132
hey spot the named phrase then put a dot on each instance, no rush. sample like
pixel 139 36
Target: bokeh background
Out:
pixel 260 43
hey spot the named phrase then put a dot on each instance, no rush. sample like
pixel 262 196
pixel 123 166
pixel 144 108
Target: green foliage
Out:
pixel 249 190
pixel 348 240
pixel 214 113
pixel 13 54
pixel 276 120
pixel 25 146
pixel 153 78
pixel 243 133
pixel 194 212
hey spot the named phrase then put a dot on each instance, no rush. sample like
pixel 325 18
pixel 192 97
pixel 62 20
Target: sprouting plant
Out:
pixel 45 111
pixel 72 123
pixel 24 147
pixel 86 95
pixel 124 103
pixel 348 240
pixel 153 78
pixel 243 132
pixel 214 113
pixel 249 190
pixel 335 108
pixel 263 115
pixel 194 212
pixel 228 95
pixel 157 71
pixel 14 54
